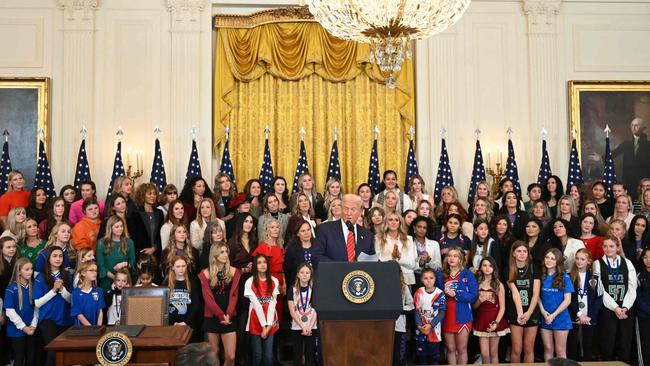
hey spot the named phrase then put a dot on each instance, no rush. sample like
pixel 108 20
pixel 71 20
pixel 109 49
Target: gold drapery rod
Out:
pixel 292 14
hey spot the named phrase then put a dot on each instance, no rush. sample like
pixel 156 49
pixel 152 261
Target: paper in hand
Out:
pixel 363 257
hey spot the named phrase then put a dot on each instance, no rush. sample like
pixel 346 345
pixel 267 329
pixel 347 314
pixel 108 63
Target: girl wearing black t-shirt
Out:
pixel 522 311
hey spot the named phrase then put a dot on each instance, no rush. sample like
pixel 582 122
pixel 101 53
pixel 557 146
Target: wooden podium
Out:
pixel 157 345
pixel 357 322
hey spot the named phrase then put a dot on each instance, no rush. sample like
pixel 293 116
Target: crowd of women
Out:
pixel 564 274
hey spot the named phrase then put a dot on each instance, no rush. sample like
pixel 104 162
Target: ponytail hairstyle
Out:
pixel 512 267
pixel 475 239
pixel 83 267
pixel 16 277
pixel 11 176
pixel 574 274
pixel 558 280
pixel 52 239
pixel 171 275
pixel 124 271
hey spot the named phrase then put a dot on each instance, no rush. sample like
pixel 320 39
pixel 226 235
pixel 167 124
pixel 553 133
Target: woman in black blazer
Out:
pixel 144 223
pixel 516 216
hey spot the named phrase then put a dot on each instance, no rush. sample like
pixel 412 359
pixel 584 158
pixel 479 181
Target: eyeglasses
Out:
pixel 170 193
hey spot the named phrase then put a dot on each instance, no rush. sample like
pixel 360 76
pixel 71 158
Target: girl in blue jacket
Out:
pixel 461 292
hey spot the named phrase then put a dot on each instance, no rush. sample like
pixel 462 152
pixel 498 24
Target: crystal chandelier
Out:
pixel 388 26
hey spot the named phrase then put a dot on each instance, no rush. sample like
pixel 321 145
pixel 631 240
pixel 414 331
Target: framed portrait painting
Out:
pixel 624 106
pixel 24 111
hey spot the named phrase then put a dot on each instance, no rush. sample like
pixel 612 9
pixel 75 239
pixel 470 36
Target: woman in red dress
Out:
pixel 271 247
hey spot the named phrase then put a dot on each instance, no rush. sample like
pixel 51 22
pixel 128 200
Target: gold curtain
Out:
pixel 290 75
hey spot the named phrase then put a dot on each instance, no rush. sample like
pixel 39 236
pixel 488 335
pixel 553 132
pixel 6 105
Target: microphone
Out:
pixel 350 226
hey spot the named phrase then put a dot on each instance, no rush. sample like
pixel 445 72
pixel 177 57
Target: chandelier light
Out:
pixel 388 26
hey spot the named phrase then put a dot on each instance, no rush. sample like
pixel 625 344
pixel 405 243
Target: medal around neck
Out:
pixel 358 287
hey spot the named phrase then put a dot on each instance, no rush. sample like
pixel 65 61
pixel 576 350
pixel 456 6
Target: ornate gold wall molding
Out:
pixel 293 14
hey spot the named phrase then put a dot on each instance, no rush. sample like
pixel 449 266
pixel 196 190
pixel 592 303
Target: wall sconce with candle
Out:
pixel 131 159
pixel 496 174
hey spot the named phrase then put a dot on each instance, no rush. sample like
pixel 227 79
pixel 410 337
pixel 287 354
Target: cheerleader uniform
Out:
pixel 486 314
pixel 458 316
pixel 618 284
pixel 526 277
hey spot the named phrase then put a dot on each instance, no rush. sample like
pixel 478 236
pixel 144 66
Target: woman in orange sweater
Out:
pixel 16 195
pixel 84 233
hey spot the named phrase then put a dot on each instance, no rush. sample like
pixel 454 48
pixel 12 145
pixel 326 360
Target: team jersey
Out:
pixel 429 309
pixel 26 313
pixel 57 308
pixel 87 303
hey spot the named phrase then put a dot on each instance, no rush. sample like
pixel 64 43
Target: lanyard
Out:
pixel 304 302
pixel 613 273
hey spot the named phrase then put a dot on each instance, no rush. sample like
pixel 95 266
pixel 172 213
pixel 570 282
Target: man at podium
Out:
pixel 343 240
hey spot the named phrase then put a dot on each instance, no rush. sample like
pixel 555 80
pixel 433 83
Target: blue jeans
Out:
pixel 262 350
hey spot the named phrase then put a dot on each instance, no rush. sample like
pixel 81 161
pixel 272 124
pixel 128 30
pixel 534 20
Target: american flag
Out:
pixel 478 172
pixel 609 175
pixel 82 173
pixel 334 170
pixel 373 168
pixel 226 164
pixel 411 167
pixel 512 172
pixel 575 172
pixel 194 165
pixel 118 167
pixel 158 175
pixel 266 173
pixel 544 167
pixel 301 167
pixel 43 178
pixel 5 166
pixel 444 177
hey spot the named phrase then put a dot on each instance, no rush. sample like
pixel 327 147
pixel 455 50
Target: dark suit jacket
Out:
pixel 330 243
pixel 594 301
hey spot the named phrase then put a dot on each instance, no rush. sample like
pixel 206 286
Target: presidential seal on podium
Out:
pixel 358 287
pixel 114 349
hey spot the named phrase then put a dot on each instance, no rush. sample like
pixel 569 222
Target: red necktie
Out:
pixel 350 246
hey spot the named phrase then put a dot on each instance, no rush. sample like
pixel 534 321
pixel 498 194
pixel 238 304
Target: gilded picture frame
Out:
pixel 593 105
pixel 24 111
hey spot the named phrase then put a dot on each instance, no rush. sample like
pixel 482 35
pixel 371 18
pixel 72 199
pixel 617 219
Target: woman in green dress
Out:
pixel 114 252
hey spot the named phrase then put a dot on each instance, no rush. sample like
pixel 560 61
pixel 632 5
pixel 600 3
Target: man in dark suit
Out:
pixel 343 240
pixel 635 155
